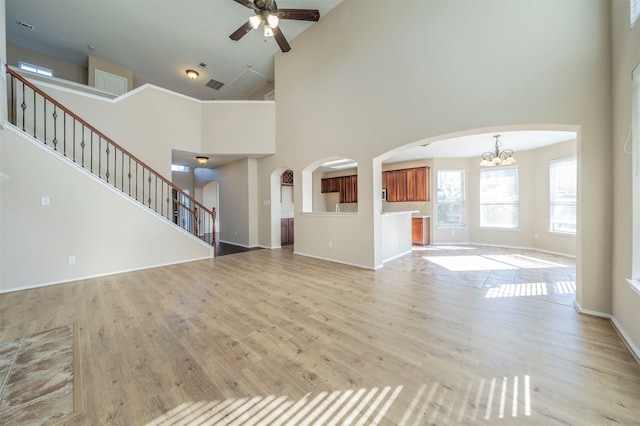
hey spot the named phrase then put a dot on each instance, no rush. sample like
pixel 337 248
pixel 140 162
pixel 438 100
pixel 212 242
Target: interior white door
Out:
pixel 111 83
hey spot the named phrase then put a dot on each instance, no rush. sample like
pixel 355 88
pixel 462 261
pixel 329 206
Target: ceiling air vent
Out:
pixel 214 84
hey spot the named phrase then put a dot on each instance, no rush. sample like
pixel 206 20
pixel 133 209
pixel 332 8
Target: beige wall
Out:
pixel 105 230
pixel 366 92
pixel 96 63
pixel 61 69
pixel 625 306
pixel 237 209
pixel 150 122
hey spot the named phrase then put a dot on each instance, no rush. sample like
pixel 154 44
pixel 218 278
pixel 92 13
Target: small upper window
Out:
pixel 635 11
pixel 35 69
pixel 179 168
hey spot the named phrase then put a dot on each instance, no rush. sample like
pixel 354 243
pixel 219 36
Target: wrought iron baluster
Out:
pixel 155 196
pixel 82 144
pixel 149 200
pixel 13 102
pixel 23 106
pixel 122 171
pixel 74 139
pixel 34 115
pixel 91 151
pixel 129 176
pixel 55 127
pixel 107 174
pixel 143 186
pixel 136 180
pixel 99 156
pixel 64 133
pixel 45 121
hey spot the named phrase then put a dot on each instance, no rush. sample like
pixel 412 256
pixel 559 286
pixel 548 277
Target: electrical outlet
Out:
pixel 330 244
pixel 45 201
pixel 536 236
pixel 72 260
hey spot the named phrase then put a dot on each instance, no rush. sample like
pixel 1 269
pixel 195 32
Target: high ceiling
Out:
pixel 159 39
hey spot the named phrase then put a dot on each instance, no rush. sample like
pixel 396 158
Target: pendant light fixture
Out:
pixel 497 158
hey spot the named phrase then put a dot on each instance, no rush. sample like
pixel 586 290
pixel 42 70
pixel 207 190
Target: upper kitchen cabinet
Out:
pixel 347 186
pixel 407 184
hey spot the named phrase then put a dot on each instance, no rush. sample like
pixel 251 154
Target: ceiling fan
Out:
pixel 267 12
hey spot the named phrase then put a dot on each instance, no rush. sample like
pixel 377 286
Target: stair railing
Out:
pixel 36 113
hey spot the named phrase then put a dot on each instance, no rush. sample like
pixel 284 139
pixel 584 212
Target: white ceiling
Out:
pixel 159 39
pixel 475 145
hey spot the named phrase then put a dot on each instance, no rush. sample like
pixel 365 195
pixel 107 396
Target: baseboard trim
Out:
pixel 626 339
pixel 106 274
pixel 334 260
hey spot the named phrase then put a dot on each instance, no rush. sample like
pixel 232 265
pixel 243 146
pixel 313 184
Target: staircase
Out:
pixel 42 117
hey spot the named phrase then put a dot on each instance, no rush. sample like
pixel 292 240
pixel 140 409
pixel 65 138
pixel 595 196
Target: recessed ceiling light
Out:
pixel 202 65
pixel 91 47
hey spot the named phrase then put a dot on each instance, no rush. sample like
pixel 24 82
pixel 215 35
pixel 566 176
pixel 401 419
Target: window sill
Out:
pixel 634 284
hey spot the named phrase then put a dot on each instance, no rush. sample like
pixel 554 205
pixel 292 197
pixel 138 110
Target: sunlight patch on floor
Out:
pixel 435 403
pixel 565 287
pixel 468 263
pixel 517 290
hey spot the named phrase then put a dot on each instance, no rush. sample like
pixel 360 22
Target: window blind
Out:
pixel 499 198
pixel 563 182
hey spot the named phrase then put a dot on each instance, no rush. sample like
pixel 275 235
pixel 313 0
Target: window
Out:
pixel 35 69
pixel 179 168
pixel 451 198
pixel 563 180
pixel 499 198
pixel 635 11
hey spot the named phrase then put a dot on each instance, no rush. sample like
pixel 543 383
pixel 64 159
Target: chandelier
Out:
pixel 497 158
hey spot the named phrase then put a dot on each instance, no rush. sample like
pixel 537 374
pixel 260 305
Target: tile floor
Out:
pixel 36 378
pixel 503 272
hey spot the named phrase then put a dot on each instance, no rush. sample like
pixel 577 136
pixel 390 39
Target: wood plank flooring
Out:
pixel 269 337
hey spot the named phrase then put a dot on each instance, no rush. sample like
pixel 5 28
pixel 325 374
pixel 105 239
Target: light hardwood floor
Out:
pixel 268 337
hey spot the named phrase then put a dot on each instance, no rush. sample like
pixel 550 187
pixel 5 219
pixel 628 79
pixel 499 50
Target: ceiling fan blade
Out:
pixel 299 14
pixel 241 32
pixel 282 41
pixel 247 3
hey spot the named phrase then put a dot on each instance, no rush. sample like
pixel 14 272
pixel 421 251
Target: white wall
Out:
pixel 105 230
pixel 149 122
pixel 441 69
pixel 626 55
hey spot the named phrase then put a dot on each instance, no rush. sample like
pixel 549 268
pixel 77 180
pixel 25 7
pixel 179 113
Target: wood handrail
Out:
pixel 103 136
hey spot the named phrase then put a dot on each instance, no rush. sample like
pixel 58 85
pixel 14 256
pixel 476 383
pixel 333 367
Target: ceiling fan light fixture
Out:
pixel 268 32
pixel 273 21
pixel 192 74
pixel 255 21
pixel 202 159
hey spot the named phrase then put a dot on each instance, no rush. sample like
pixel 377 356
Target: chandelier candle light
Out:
pixel 497 158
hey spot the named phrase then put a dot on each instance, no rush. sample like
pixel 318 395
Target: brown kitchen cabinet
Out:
pixel 347 186
pixel 286 231
pixel 420 230
pixel 406 184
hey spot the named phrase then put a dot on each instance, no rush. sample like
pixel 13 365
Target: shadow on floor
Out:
pixel 223 249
